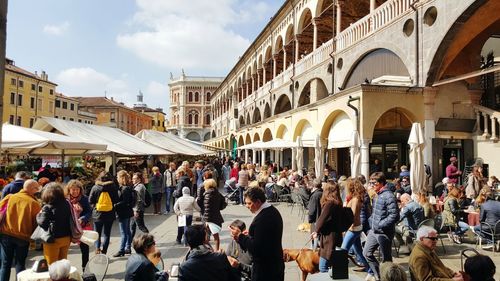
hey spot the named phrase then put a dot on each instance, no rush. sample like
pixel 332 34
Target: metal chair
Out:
pixel 439 225
pixel 467 253
pixel 98 265
pixel 489 233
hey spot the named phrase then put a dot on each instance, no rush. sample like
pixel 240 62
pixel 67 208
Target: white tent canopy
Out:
pixel 172 142
pixel 117 141
pixel 253 145
pixel 20 140
pixel 272 144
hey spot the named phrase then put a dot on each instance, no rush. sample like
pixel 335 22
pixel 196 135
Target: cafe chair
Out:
pixel 439 225
pixel 489 233
pixel 98 265
pixel 467 253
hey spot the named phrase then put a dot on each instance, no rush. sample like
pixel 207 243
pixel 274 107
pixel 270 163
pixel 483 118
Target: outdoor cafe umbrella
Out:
pixel 318 157
pixel 417 169
pixel 355 154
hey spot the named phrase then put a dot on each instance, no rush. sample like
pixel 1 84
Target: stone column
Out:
pixel 254 156
pixel 338 17
pixel 246 155
pixel 263 159
pixel 372 6
pixel 294 162
pixel 280 156
pixel 254 78
pixel 275 68
pixel 264 73
pixel 429 124
pixel 365 157
pixel 284 59
pixel 314 22
pixel 297 43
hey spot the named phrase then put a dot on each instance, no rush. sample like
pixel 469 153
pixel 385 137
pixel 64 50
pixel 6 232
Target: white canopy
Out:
pixel 253 145
pixel 172 142
pixel 20 140
pixel 272 144
pixel 117 141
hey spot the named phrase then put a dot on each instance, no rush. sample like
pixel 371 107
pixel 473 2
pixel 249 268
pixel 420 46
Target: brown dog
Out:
pixel 307 259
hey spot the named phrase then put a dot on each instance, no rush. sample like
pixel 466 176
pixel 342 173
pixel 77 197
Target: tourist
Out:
pixel 139 208
pixel 169 183
pixel 124 211
pixel 17 184
pixel 156 184
pixel 139 267
pixel 480 268
pixel 452 214
pixel 213 203
pixel 452 172
pixel 184 207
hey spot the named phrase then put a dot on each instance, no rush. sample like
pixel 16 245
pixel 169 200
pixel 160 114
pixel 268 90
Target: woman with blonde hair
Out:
pixel 81 207
pixel 452 213
pixel 213 203
pixel 429 212
pixel 474 182
pixel 124 211
pixel 331 204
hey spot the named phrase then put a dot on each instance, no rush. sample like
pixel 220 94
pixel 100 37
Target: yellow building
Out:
pixel 26 95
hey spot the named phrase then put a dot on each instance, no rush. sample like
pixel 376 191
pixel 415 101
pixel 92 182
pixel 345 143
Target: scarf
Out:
pixel 75 203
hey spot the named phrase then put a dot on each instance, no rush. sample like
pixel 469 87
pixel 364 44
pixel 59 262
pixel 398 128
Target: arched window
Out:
pixel 196 97
pixel 190 97
pixel 196 119
pixel 208 96
pixel 193 117
pixel 207 119
pixel 190 119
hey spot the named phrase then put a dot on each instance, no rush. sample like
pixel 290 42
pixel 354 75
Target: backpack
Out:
pixel 147 198
pixel 104 203
pixel 346 218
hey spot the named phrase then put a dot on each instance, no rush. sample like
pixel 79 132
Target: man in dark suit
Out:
pixel 263 240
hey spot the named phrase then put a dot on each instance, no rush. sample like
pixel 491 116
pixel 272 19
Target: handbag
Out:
pixel 42 234
pixel 76 228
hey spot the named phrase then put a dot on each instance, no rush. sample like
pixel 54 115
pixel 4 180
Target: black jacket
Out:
pixel 59 215
pixel 203 264
pixel 139 268
pixel 99 187
pixel 213 202
pixel 182 182
pixel 125 202
pixel 314 207
pixel 263 242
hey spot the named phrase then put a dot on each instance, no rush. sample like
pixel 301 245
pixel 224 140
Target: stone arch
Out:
pixel 322 5
pixel 240 141
pixel 458 51
pixel 282 132
pixel 303 123
pixel 248 139
pixel 373 64
pixel 267 136
pixel 256 116
pixel 248 120
pixel 289 35
pixel 304 20
pixel 325 129
pixel 194 136
pixel 305 95
pixel 256 137
pixel 206 136
pixel 401 112
pixel 241 120
pixel 267 111
pixel 282 105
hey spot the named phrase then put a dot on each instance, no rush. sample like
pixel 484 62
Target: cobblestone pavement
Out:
pixel 164 228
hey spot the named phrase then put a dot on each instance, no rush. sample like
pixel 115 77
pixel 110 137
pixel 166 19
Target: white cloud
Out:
pixel 57 30
pixel 194 35
pixel 87 82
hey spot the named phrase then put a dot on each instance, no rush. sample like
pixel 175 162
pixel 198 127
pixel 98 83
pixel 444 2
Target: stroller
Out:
pixel 232 191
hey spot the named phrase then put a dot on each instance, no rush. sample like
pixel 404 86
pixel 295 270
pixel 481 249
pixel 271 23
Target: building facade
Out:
pixel 323 71
pixel 67 108
pixel 157 115
pixel 115 114
pixel 26 95
pixel 190 110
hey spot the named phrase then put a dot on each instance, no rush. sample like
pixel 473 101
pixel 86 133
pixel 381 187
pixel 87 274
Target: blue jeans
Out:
pixel 168 193
pixel 126 236
pixel 462 228
pixel 352 239
pixel 241 190
pixel 11 247
pixel 323 264
pixel 374 241
pixel 99 226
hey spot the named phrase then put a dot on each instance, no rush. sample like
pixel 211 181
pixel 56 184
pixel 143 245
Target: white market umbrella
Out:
pixel 417 169
pixel 318 157
pixel 355 154
pixel 300 155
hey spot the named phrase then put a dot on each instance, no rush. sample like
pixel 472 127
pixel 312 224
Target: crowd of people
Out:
pixel 382 211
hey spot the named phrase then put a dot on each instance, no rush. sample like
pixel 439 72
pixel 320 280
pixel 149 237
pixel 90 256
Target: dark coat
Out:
pixel 96 191
pixel 263 242
pixel 314 207
pixel 490 212
pixel 385 213
pixel 139 268
pixel 13 187
pixel 324 227
pixel 182 182
pixel 86 213
pixel 58 214
pixel 203 264
pixel 125 203
pixel 213 202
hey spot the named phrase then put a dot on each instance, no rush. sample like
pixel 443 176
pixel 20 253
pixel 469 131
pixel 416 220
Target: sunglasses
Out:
pixel 372 183
pixel 432 238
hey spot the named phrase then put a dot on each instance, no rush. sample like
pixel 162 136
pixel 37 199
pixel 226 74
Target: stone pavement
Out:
pixel 164 228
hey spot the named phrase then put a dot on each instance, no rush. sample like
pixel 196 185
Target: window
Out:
pixel 158 123
pixel 112 117
pixel 33 87
pixel 32 102
pixel 40 105
pixel 13 81
pixel 72 106
pixel 153 123
pixel 20 100
pixel 64 118
pixel 79 120
pixel 190 97
pixel 58 103
pixel 207 119
pixel 208 96
pixel 40 89
pixel 51 91
pixel 21 84
pixel 32 121
pixel 18 120
pixel 51 106
pixel 12 98
pixel 71 119
pixel 196 97
pixel 65 105
pixel 11 119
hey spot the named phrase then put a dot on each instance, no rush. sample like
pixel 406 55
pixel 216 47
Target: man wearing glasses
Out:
pixel 384 218
pixel 424 262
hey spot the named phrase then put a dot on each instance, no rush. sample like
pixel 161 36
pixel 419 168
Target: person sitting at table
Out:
pixel 490 212
pixel 139 267
pixel 411 215
pixel 451 215
pixel 390 271
pixel 423 200
pixel 60 271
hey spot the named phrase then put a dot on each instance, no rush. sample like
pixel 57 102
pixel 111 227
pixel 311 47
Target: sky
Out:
pixel 120 47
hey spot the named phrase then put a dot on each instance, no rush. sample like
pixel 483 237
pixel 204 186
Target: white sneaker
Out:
pixel 370 277
pixel 488 247
pixel 457 239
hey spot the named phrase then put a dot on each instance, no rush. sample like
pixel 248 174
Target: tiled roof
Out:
pixel 13 68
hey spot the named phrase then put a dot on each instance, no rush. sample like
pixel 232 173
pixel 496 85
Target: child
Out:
pixel 184 208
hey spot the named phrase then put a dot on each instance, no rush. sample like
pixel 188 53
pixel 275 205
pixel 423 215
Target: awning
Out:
pixel 117 141
pixel 172 142
pixel 308 136
pixel 467 75
pixel 340 134
pixel 272 144
pixel 20 140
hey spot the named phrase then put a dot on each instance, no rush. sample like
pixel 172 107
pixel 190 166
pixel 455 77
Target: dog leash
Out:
pixel 303 247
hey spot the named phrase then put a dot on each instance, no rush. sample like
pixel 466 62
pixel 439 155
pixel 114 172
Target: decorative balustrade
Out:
pixel 487 122
pixel 382 16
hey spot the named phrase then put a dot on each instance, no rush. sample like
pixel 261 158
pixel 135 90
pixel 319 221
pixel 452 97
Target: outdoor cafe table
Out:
pixel 472 218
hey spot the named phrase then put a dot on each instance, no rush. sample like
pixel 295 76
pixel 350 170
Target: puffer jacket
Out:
pixel 213 202
pixel 57 215
pixel 185 205
pixel 95 192
pixel 203 264
pixel 366 212
pixel 385 213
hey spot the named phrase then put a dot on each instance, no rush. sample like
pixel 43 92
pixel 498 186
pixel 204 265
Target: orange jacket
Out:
pixel 20 221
